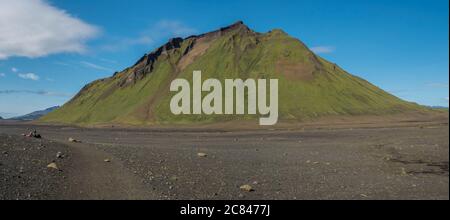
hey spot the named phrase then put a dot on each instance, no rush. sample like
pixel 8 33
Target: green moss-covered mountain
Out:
pixel 309 86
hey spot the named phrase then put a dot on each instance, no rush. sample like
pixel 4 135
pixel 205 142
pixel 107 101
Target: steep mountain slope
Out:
pixel 35 115
pixel 309 86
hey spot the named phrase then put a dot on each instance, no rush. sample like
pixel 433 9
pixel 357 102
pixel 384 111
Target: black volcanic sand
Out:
pixel 407 162
pixel 23 168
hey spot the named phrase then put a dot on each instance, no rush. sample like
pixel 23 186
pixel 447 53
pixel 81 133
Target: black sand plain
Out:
pixel 407 160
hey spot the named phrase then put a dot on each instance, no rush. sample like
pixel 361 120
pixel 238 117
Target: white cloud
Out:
pixel 34 28
pixel 323 49
pixel 94 66
pixel 30 76
pixel 14 70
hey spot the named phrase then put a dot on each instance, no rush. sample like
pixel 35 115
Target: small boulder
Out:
pixel 59 155
pixel 53 166
pixel 246 188
pixel 33 134
pixel 73 140
pixel 202 154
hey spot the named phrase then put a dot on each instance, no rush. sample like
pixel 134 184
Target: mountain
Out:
pixel 309 86
pixel 35 115
pixel 1 118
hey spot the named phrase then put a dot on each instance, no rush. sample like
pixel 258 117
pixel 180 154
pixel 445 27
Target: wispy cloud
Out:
pixel 175 28
pixel 323 49
pixel 34 28
pixel 30 76
pixel 94 66
pixel 2 75
pixel 107 60
pixel 36 92
pixel 14 70
pixel 123 43
pixel 61 63
pixel 437 85
pixel 161 30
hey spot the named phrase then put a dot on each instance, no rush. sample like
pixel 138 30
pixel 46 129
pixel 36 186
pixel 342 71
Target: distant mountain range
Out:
pixel 439 107
pixel 309 86
pixel 34 115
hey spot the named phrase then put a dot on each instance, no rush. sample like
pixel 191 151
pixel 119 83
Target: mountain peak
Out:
pixel 236 24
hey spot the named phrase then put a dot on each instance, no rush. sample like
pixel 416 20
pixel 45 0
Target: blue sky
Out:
pixel 50 49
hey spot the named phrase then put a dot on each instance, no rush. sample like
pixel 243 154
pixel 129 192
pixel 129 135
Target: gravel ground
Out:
pixel 407 162
pixel 23 168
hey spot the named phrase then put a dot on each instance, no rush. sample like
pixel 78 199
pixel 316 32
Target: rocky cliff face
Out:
pixel 145 65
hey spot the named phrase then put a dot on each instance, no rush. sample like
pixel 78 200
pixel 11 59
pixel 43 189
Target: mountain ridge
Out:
pixel 35 115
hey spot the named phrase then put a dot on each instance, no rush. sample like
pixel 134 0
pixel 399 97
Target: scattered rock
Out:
pixel 33 134
pixel 202 155
pixel 107 160
pixel 59 155
pixel 246 188
pixel 403 171
pixel 53 166
pixel 74 140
